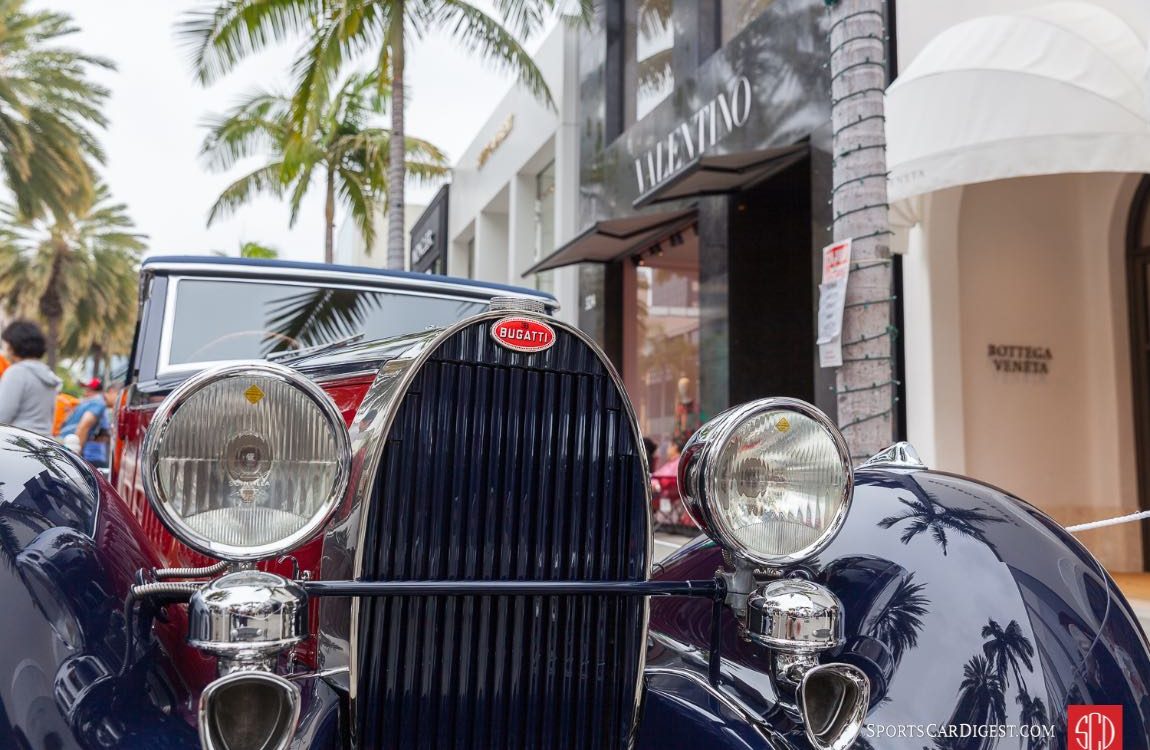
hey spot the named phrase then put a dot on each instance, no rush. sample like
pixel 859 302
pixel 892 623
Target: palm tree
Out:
pixel 252 249
pixel 48 108
pixel 339 29
pixel 79 274
pixel 1006 648
pixel 866 378
pixel 337 138
pixel 257 250
pixel 926 514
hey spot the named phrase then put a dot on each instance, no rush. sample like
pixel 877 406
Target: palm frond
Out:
pixel 266 179
pixel 478 32
pixel 219 38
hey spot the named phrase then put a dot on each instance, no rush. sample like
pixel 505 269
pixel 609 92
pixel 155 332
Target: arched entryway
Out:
pixel 1138 281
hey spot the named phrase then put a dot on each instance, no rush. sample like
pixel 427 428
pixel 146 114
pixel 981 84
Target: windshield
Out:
pixel 217 319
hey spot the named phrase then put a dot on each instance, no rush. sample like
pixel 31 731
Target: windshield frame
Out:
pixel 164 366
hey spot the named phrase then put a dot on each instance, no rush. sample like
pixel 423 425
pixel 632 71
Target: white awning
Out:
pixel 1055 89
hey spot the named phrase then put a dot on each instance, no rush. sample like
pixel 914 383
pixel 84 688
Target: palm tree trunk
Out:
pixel 396 171
pixel 329 218
pixel 865 382
pixel 51 304
pixel 97 361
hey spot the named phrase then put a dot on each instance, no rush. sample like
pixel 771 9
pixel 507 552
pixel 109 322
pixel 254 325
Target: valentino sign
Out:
pixel 696 134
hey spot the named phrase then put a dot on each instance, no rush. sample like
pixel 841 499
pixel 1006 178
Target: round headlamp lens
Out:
pixel 779 483
pixel 246 461
pixel 772 480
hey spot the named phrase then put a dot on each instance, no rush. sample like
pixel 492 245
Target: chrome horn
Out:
pixel 833 701
pixel 798 620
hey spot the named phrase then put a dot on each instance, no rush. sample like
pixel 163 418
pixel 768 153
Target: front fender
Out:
pixel 62 677
pixel 964 605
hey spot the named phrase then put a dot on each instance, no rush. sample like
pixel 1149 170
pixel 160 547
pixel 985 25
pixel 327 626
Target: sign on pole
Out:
pixel 832 299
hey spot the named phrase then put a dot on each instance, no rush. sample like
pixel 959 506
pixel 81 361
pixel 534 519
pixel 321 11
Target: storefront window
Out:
pixel 545 224
pixel 738 14
pixel 664 377
pixel 650 41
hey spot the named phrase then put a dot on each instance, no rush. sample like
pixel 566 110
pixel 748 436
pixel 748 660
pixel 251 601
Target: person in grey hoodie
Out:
pixel 28 387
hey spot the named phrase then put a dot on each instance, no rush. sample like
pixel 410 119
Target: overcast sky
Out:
pixel 157 109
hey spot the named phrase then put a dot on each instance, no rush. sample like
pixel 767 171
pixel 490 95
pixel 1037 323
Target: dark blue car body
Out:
pixel 920 608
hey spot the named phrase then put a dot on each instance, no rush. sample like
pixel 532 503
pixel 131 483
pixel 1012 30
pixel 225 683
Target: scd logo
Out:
pixel 1094 727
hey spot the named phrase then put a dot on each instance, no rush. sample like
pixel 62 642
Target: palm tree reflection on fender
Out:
pixel 927 514
pixel 981 702
pixel 900 620
pixel 1033 714
pixel 1005 648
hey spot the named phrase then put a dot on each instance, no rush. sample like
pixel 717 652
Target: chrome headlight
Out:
pixel 246 461
pixel 770 480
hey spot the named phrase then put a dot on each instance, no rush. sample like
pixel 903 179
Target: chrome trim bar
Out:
pixel 478 289
pixel 512 588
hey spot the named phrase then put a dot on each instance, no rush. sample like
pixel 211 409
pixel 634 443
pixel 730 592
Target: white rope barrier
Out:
pixel 1110 522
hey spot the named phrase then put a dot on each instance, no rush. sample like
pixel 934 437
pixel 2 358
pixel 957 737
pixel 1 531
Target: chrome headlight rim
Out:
pixel 697 485
pixel 161 421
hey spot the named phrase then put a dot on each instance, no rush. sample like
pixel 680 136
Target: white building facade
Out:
pixel 351 249
pixel 1019 147
pixel 513 194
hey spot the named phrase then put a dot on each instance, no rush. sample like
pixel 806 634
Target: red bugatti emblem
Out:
pixel 523 334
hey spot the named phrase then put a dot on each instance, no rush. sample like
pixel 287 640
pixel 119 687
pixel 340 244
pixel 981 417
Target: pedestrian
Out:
pixel 92 387
pixel 88 428
pixel 28 387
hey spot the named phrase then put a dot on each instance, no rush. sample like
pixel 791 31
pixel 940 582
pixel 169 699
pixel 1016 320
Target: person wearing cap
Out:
pixel 87 428
pixel 92 387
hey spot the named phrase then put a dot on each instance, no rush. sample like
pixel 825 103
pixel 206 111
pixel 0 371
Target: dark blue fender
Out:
pixel 963 604
pixel 61 622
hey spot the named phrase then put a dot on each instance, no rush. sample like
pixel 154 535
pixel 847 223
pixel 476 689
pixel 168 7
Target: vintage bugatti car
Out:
pixel 439 537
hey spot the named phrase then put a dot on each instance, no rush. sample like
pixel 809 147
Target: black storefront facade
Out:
pixel 429 236
pixel 704 196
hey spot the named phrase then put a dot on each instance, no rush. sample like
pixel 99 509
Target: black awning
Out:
pixel 726 173
pixel 613 239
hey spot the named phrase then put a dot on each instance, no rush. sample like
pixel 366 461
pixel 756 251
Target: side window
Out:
pixel 146 347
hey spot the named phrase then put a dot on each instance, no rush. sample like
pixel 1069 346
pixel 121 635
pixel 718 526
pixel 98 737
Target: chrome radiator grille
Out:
pixel 505 466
